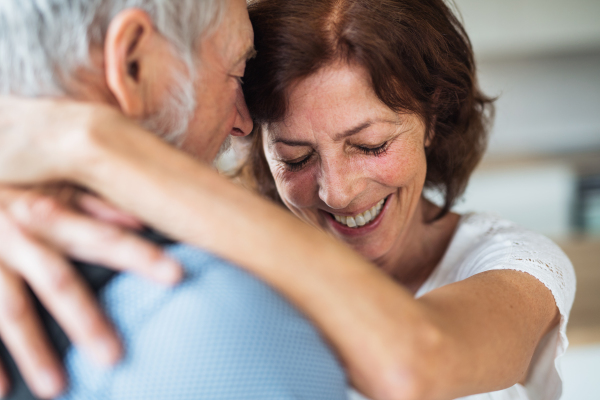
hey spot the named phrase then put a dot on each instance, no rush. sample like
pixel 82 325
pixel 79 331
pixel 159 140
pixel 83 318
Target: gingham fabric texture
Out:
pixel 220 335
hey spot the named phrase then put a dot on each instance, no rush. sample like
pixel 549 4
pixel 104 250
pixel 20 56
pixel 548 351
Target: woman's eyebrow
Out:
pixel 353 131
pixel 288 142
pixel 362 126
pixel 347 133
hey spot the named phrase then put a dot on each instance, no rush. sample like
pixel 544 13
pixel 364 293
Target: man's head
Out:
pixel 172 65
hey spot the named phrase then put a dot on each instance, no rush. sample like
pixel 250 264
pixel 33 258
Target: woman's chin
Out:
pixel 373 252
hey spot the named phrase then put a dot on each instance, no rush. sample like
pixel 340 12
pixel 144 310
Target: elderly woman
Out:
pixel 359 105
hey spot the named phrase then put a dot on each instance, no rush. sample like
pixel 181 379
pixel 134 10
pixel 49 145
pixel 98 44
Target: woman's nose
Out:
pixel 339 184
pixel 243 122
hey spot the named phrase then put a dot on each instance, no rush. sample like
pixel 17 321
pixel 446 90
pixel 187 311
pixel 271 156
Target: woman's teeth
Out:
pixel 360 219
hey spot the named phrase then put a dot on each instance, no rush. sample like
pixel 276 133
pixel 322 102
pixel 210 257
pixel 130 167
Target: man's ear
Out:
pixel 125 57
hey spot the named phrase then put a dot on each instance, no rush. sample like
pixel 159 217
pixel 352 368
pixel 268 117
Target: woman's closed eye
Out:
pixel 298 163
pixel 374 151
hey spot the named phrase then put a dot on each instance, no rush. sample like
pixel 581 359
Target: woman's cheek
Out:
pixel 399 167
pixel 298 188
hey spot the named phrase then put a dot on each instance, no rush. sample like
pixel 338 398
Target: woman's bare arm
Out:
pixel 448 343
pixel 476 335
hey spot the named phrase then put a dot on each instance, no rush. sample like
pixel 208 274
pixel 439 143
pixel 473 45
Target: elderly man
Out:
pixel 175 66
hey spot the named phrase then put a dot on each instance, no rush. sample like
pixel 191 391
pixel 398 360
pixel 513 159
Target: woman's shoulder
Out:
pixel 488 238
pixel 485 242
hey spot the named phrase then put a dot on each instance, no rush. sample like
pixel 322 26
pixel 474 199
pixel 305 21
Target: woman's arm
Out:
pixel 450 342
pixel 476 335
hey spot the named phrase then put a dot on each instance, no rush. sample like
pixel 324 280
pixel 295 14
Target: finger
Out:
pixel 104 211
pixel 75 197
pixel 23 336
pixel 90 240
pixel 4 382
pixel 63 293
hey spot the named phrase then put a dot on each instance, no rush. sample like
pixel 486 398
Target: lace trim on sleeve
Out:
pixel 534 254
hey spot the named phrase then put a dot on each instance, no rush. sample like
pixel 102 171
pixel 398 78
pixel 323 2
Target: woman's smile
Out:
pixel 357 224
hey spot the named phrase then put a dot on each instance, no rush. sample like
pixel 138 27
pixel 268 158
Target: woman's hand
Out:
pixel 39 229
pixel 48 140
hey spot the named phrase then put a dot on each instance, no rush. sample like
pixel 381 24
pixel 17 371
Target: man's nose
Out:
pixel 339 183
pixel 242 125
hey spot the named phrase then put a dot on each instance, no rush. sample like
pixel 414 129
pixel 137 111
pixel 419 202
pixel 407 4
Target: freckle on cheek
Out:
pixel 299 190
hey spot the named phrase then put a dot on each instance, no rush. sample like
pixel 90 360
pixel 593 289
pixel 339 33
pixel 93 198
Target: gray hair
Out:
pixel 42 42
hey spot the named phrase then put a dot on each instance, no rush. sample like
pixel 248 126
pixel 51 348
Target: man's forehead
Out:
pixel 245 36
pixel 241 34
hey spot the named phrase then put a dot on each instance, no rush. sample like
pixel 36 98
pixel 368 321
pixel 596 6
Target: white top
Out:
pixel 484 243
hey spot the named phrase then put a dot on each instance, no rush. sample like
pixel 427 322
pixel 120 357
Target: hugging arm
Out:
pixel 39 230
pixel 393 346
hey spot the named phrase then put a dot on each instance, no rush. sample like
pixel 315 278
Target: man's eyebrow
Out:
pixel 249 54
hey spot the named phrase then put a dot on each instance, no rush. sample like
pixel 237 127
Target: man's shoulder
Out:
pixel 221 333
pixel 129 300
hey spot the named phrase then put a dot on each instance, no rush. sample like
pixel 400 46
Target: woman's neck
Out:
pixel 420 247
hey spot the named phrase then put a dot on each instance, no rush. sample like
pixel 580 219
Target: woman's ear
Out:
pixel 430 132
pixel 126 57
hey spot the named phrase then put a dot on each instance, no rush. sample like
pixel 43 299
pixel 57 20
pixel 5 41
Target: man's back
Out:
pixel 221 334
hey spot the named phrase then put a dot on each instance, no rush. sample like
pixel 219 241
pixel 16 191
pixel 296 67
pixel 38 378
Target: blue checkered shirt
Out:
pixel 220 335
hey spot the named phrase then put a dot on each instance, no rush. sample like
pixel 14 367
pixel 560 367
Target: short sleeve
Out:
pixel 504 245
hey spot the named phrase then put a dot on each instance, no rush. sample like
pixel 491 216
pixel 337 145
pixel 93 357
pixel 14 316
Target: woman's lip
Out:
pixel 355 213
pixel 362 230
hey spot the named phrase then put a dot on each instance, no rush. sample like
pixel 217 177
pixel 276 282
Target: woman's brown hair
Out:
pixel 416 52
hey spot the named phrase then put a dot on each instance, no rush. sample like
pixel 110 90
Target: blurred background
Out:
pixel 542 170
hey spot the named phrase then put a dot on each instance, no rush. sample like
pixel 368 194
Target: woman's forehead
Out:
pixel 340 80
pixel 333 96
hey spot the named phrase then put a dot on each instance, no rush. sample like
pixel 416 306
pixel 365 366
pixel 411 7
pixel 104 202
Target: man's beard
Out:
pixel 224 147
pixel 176 111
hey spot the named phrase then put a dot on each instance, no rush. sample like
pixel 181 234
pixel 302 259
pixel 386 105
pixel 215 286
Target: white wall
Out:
pixel 542 58
pixel 528 26
pixel 538 197
pixel 546 104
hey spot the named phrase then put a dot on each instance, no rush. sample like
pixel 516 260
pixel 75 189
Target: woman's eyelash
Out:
pixel 371 151
pixel 374 151
pixel 298 165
